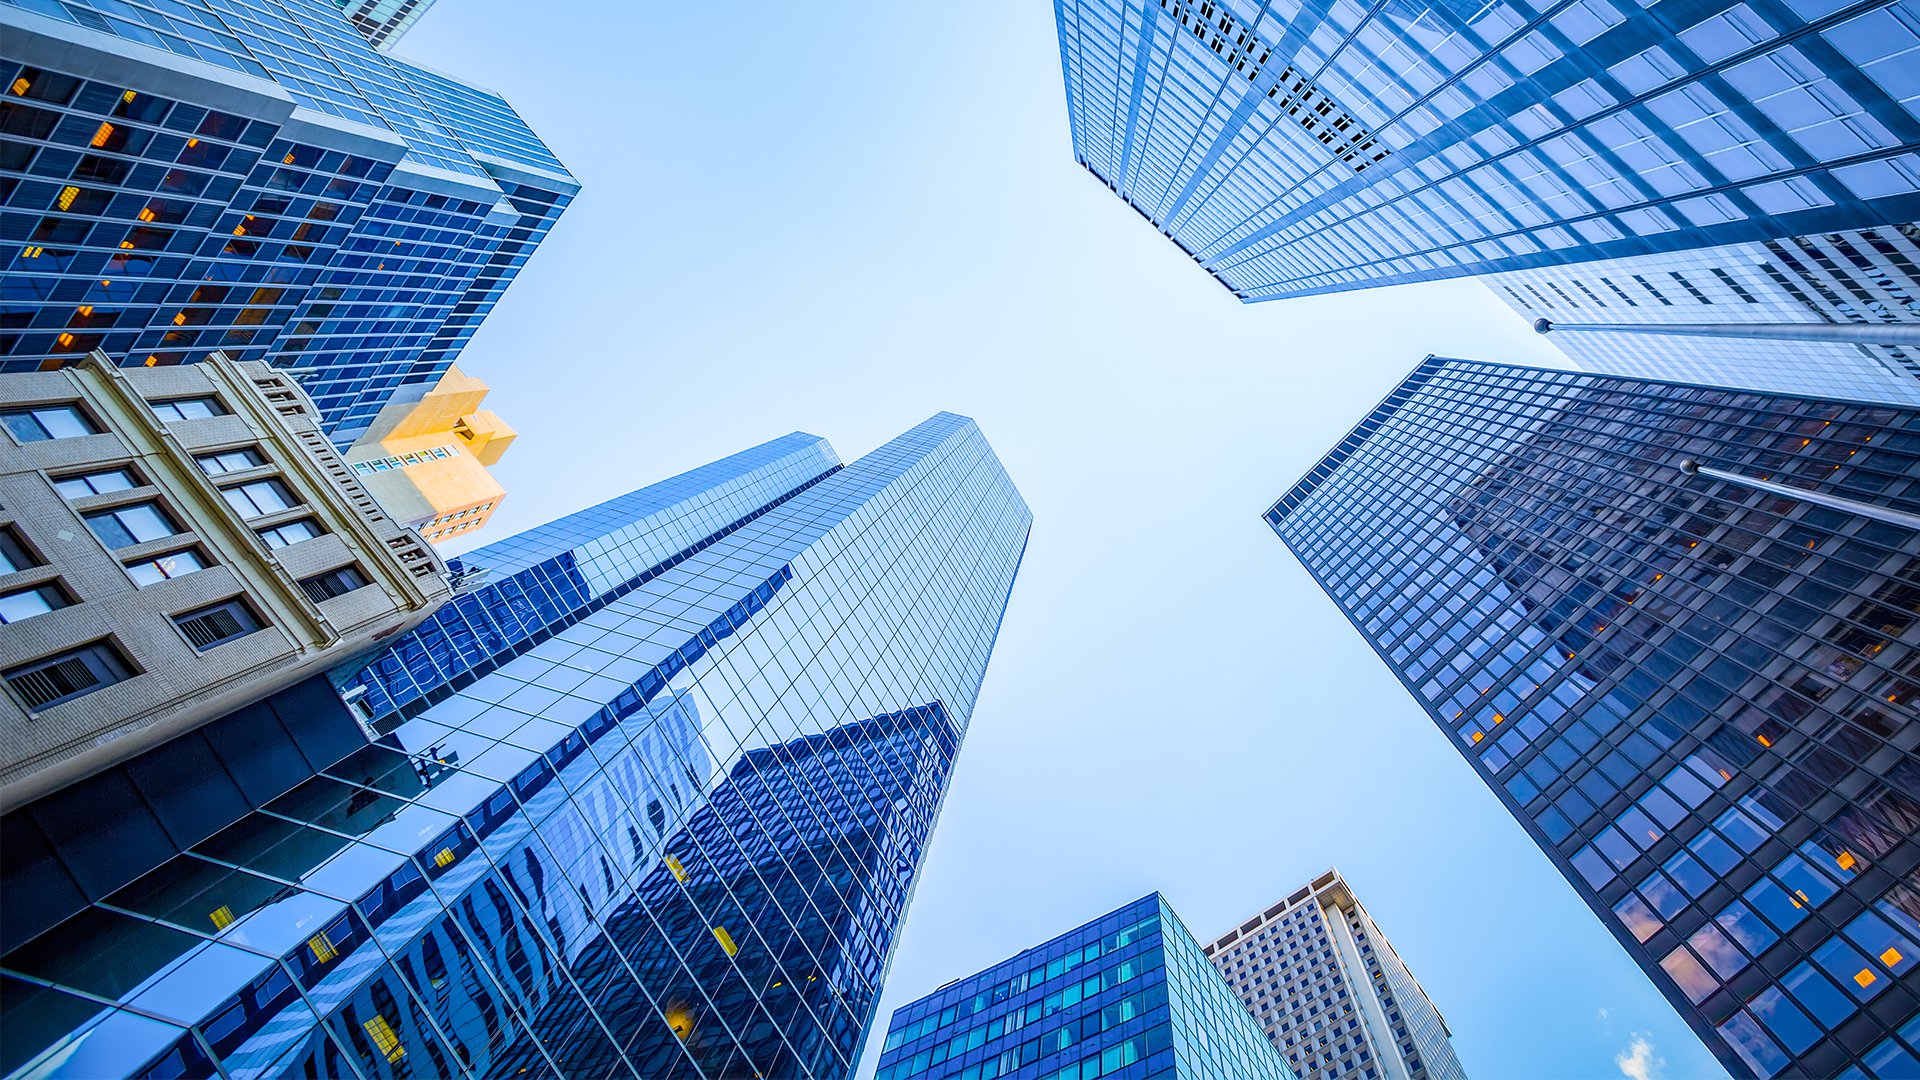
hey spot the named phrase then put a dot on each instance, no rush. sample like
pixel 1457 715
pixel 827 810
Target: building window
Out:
pixel 226 461
pixel 43 422
pixel 163 567
pixel 26 603
pixel 209 626
pixel 291 533
pixel 14 556
pixel 259 497
pixel 96 483
pixel 333 583
pixel 68 675
pixel 193 408
pixel 125 526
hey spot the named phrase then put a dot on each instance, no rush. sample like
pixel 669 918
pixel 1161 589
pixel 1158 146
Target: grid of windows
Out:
pixel 1331 992
pixel 1698 697
pixel 1861 276
pixel 671 832
pixel 159 230
pixel 1127 996
pixel 1297 147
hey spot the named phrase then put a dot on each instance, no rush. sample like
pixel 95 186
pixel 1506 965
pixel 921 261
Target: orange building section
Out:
pixel 426 459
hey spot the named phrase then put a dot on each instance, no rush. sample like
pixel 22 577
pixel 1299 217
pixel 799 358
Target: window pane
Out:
pixel 160 568
pixel 27 603
pixel 63 422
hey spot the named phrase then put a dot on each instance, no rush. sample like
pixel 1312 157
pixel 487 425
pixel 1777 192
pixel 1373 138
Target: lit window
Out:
pixel 43 422
pixel 382 1032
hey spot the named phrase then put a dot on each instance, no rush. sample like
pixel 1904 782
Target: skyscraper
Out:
pixel 647 797
pixel 1696 695
pixel 1123 997
pixel 1331 992
pixel 256 180
pixel 1300 148
pixel 383 21
pixel 1304 148
pixel 1857 280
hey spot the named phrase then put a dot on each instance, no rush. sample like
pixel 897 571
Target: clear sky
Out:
pixel 844 218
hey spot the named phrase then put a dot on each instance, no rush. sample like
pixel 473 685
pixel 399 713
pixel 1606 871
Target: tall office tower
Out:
pixel 1334 997
pixel 1297 148
pixel 1860 278
pixel 1698 696
pixel 383 21
pixel 426 456
pixel 256 180
pixel 1124 997
pixel 647 798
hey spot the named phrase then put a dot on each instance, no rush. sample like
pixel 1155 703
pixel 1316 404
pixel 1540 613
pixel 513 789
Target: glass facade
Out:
pixel 1861 276
pixel 1697 697
pixel 1331 992
pixel 251 176
pixel 1127 996
pixel 650 801
pixel 1296 147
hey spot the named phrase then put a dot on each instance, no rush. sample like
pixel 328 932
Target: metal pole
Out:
pixel 1818 498
pixel 1840 333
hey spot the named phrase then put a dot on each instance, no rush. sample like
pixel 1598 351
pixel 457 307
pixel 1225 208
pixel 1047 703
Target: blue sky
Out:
pixel 845 218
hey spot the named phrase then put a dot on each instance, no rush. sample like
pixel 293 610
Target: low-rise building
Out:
pixel 176 542
pixel 426 457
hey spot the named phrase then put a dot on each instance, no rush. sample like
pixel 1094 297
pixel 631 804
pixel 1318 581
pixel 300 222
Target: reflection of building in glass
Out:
pixel 470 864
pixel 1698 697
pixel 1331 992
pixel 427 454
pixel 1126 996
pixel 763 934
pixel 257 180
pixel 1864 277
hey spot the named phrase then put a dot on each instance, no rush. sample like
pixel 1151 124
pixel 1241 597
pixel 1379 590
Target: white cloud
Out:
pixel 1638 1061
pixel 1602 1014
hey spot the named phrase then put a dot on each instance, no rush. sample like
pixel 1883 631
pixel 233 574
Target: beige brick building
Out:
pixel 176 542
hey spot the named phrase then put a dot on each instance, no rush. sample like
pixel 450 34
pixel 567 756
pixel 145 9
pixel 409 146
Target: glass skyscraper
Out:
pixel 1125 997
pixel 647 797
pixel 1861 277
pixel 383 21
pixel 1331 992
pixel 1294 147
pixel 251 176
pixel 1698 697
